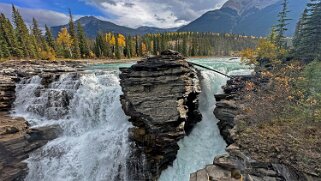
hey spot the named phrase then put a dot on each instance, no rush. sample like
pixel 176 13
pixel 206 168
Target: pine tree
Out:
pixel 4 47
pixel 309 46
pixel 184 46
pixel 10 37
pixel 299 35
pixel 117 53
pixel 75 43
pixel 36 31
pixel 137 51
pixel 281 28
pixel 22 34
pixel 49 39
pixel 83 46
pixel 128 52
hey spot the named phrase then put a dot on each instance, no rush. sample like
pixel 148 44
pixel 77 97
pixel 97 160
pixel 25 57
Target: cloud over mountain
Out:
pixel 165 13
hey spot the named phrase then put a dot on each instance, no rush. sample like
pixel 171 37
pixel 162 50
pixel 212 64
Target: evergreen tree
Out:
pixel 137 46
pixel 4 47
pixel 308 43
pixel 83 46
pixel 22 34
pixel 10 37
pixel 117 53
pixel 281 28
pixel 184 46
pixel 299 35
pixel 49 39
pixel 75 43
pixel 36 31
pixel 127 47
pixel 101 48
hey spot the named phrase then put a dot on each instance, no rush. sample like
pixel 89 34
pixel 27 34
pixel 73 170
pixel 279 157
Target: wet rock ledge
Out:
pixel 161 99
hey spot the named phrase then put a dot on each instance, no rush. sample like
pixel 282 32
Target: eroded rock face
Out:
pixel 16 142
pixel 161 98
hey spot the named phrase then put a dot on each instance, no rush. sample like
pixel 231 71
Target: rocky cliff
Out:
pixel 160 95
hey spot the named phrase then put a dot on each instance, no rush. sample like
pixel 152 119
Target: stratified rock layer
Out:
pixel 160 96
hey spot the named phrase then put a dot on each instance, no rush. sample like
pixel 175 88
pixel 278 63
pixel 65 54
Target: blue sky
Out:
pixel 132 13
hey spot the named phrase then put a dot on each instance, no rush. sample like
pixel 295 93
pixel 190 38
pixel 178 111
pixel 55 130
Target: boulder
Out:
pixel 160 95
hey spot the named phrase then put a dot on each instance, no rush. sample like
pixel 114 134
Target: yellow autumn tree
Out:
pixel 121 40
pixel 264 50
pixel 110 39
pixel 64 39
pixel 144 48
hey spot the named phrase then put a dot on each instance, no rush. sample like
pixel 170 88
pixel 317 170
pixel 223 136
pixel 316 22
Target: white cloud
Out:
pixel 132 13
pixel 51 18
pixel 159 13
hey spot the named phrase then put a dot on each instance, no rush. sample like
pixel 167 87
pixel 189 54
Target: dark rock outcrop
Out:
pixel 7 92
pixel 16 142
pixel 161 98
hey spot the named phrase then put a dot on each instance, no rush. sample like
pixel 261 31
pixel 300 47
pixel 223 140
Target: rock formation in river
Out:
pixel 161 98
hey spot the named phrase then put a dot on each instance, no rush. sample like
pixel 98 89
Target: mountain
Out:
pixel 242 6
pixel 249 17
pixel 93 26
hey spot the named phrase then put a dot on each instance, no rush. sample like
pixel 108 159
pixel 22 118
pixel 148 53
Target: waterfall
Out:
pixel 205 142
pixel 94 143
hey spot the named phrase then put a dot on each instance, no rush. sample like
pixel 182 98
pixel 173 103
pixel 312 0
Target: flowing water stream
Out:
pixel 94 143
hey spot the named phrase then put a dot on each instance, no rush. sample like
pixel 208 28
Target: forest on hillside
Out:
pixel 19 41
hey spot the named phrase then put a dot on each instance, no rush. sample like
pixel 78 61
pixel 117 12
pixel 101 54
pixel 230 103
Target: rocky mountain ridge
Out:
pixel 248 17
pixel 92 26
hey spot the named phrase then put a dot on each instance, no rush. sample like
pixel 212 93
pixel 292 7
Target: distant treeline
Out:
pixel 19 41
